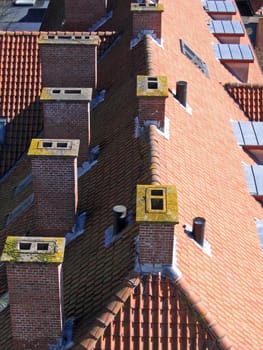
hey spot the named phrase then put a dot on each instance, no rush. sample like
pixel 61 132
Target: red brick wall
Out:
pixel 156 242
pixel 69 65
pixel 147 21
pixel 82 14
pixel 68 120
pixel 35 304
pixel 56 194
pixel 152 108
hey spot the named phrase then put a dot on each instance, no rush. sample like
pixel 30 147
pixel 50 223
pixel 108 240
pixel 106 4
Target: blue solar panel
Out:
pixel 226 27
pixel 220 6
pixel 235 52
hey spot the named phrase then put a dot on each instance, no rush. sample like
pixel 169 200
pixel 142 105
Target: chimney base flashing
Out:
pixel 142 34
pixel 102 21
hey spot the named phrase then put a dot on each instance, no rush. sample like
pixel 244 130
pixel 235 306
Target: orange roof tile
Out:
pixel 201 158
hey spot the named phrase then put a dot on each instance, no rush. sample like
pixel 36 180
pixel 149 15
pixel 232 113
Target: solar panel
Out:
pixel 226 27
pixel 248 133
pixel 233 52
pixel 220 6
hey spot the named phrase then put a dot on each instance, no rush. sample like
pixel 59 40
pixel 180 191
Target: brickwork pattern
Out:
pixel 55 190
pixel 156 243
pixel 69 65
pixel 82 14
pixel 152 108
pixel 68 120
pixel 147 21
pixel 35 304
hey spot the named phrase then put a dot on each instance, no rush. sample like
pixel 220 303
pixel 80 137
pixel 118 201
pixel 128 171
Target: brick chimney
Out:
pixel 82 14
pixel 55 185
pixel 146 17
pixel 69 60
pixel 157 214
pixel 34 273
pixel 151 93
pixel 67 116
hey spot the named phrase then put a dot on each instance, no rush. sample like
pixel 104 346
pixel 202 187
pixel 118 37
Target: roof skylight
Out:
pixel 194 58
pixel 219 6
pixel 248 133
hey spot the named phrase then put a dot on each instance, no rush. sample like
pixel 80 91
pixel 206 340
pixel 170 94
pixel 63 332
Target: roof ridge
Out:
pixel 201 309
pixel 34 33
pixel 109 312
pixel 155 172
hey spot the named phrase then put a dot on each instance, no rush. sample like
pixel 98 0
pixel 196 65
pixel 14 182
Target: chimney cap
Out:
pixel 33 249
pixel 54 147
pixel 68 39
pixel 156 203
pixel 152 86
pixel 146 7
pixel 66 94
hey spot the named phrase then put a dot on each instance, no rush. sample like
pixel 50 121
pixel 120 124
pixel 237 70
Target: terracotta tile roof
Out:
pixel 202 159
pixel 249 97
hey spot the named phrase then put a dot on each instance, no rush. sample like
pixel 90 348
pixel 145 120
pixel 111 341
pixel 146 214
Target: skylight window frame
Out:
pixel 3 123
pixel 192 56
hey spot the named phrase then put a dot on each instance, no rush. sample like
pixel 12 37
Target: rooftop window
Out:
pixel 226 27
pixel 194 58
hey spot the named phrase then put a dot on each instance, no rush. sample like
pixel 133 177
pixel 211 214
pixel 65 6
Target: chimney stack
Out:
pixel 67 116
pixel 69 60
pixel 55 185
pixel 147 17
pixel 82 14
pixel 34 273
pixel 157 214
pixel 151 93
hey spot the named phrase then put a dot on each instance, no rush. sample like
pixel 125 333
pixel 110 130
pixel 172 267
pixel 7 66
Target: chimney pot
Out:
pixel 120 214
pixel 181 92
pixel 199 230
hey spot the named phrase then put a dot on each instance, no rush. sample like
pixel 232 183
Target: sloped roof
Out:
pixel 201 158
pixel 20 86
pixel 249 97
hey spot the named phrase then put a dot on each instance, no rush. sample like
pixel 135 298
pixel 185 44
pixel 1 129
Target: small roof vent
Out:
pixel 181 92
pixel 199 230
pixel 120 218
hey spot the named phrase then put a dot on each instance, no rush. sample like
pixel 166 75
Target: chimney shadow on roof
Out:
pixel 26 125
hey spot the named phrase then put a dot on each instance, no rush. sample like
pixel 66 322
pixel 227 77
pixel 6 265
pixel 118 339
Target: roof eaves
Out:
pixel 216 330
pixel 108 313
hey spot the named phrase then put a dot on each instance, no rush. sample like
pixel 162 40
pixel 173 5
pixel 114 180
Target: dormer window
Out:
pixel 156 200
